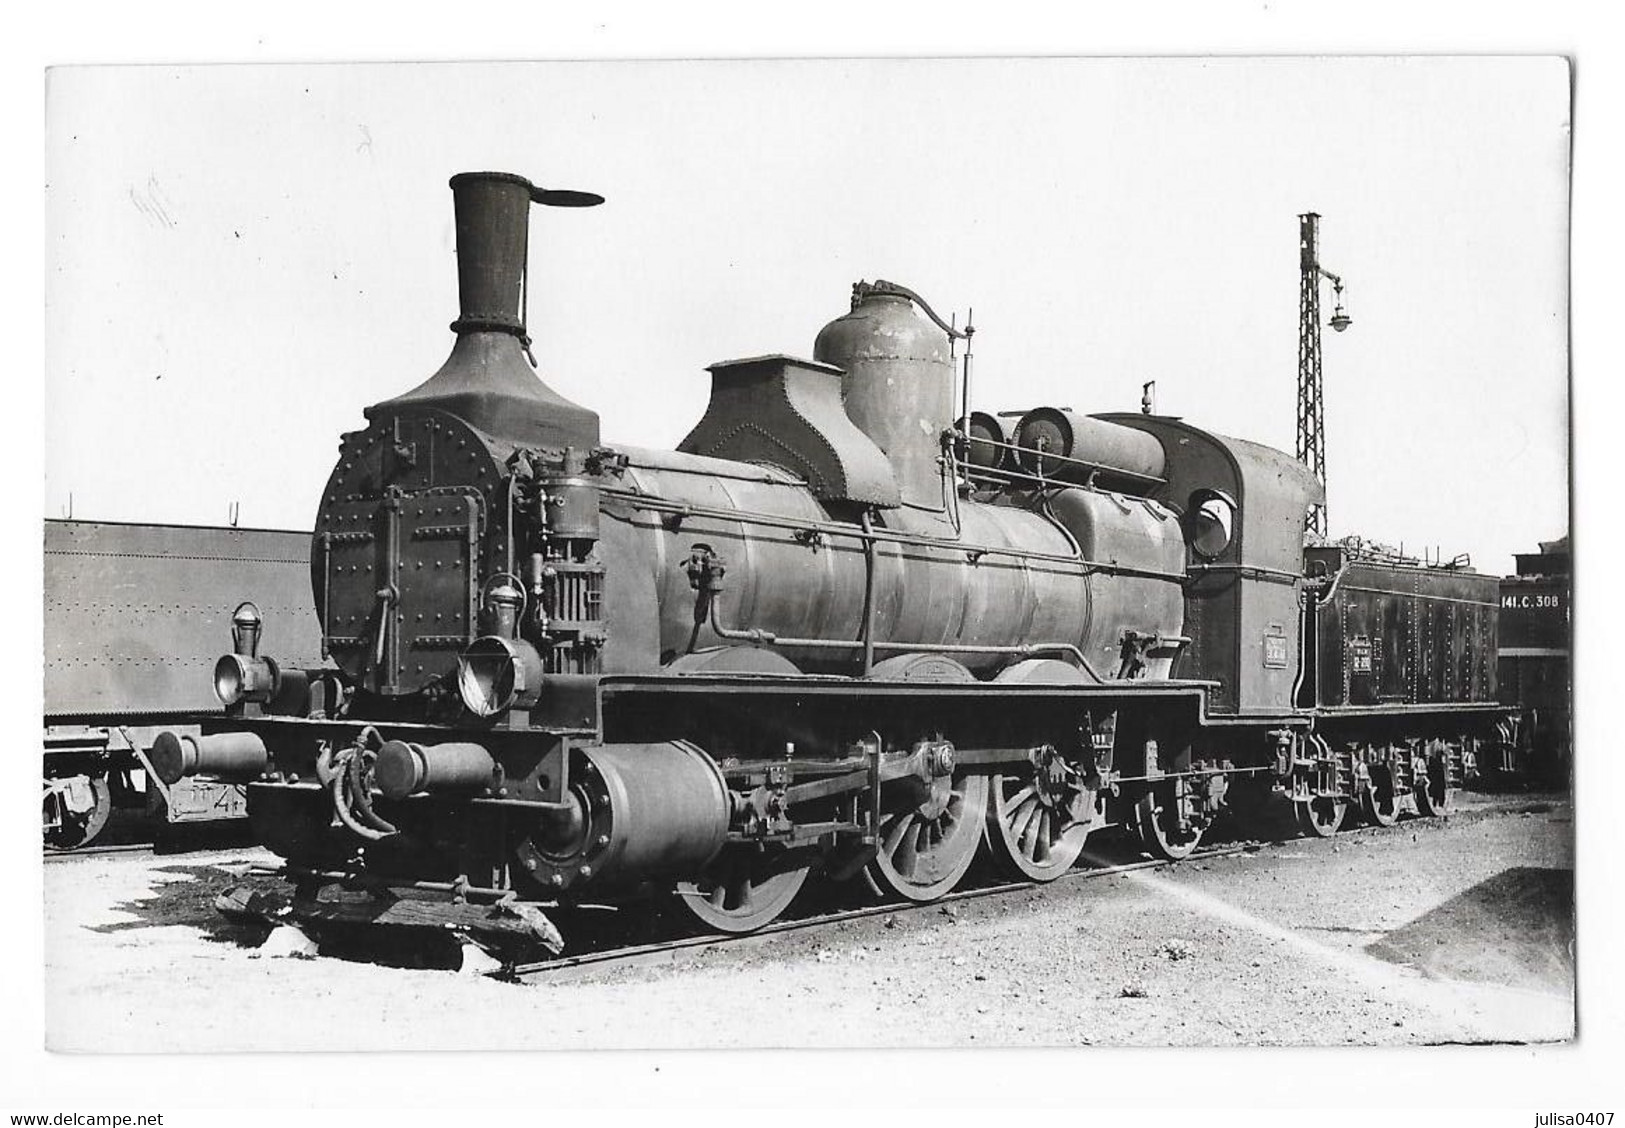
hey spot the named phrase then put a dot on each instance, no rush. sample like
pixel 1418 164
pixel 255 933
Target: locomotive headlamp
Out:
pixel 496 674
pixel 238 678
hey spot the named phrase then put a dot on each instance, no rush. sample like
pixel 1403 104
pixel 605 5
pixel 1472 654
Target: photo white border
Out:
pixel 1585 1075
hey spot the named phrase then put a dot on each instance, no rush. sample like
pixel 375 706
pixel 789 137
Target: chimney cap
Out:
pixel 548 197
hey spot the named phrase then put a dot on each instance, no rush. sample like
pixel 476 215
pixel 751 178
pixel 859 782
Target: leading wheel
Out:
pixel 1321 818
pixel 743 890
pixel 1036 825
pixel 76 811
pixel 1163 833
pixel 1378 800
pixel 928 839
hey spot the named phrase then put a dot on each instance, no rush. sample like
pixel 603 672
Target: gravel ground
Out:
pixel 1458 930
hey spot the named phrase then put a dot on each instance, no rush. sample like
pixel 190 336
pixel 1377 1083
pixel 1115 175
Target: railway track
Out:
pixel 650 954
pixel 607 954
pixel 51 855
pixel 654 953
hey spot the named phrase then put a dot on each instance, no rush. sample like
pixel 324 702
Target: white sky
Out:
pixel 239 259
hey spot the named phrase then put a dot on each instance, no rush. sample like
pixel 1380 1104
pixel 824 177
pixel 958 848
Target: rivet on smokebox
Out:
pixel 585 871
pixel 556 879
pixel 603 840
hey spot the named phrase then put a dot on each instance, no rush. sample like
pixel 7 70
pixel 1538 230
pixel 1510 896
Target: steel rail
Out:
pixel 57 854
pixel 632 955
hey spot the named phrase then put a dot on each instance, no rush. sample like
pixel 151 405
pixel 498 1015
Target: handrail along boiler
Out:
pixel 832 631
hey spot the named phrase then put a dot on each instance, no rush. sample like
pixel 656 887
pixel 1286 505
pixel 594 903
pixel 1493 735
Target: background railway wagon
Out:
pixel 135 617
pixel 1534 657
pixel 1397 632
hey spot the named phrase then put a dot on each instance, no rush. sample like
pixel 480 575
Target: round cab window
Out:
pixel 1212 524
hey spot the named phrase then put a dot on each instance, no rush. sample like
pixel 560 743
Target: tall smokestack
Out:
pixel 493 236
pixel 486 380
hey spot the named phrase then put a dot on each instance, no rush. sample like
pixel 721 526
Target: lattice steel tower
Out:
pixel 1311 394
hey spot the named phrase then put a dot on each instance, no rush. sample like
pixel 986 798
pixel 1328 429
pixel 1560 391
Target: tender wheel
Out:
pixel 1378 800
pixel 1321 818
pixel 1156 816
pixel 929 838
pixel 1037 824
pixel 1432 786
pixel 743 890
pixel 79 808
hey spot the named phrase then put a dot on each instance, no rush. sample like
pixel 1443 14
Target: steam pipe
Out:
pixel 767 638
pixel 831 528
pixel 869 563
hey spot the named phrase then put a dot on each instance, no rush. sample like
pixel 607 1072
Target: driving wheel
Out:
pixel 929 833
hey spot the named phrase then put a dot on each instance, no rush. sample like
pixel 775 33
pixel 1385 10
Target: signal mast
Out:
pixel 1311 395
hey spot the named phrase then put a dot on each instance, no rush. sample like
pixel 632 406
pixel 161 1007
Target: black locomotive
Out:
pixel 835 631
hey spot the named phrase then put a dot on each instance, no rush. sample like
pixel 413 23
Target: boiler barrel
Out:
pixel 929 592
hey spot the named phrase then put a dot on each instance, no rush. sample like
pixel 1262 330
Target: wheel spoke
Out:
pixel 1019 799
pixel 742 891
pixel 894 836
pixel 1028 827
pixel 1023 811
pixel 1041 841
pixel 903 858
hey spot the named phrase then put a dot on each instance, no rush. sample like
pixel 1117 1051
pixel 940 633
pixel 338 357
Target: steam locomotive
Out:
pixel 842 629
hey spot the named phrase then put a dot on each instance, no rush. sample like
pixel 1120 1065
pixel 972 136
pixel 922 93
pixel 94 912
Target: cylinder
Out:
pixel 898 385
pixel 1114 454
pixel 983 429
pixel 235 757
pixel 571 508
pixel 641 811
